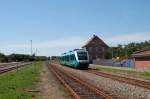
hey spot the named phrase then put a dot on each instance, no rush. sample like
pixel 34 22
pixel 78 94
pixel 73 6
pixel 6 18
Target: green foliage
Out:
pixel 145 74
pixel 56 58
pixel 16 85
pixel 41 58
pixel 2 57
pixel 126 51
pixel 21 57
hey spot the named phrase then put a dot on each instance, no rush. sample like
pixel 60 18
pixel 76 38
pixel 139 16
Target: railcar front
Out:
pixel 82 59
pixel 77 58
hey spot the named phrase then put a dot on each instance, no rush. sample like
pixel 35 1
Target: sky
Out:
pixel 56 26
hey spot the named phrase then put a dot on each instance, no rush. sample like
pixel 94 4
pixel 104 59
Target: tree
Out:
pixel 126 51
pixel 2 57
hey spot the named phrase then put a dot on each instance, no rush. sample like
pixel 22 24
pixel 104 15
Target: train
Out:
pixel 77 58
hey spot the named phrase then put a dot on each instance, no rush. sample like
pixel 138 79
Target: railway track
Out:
pixel 78 88
pixel 128 80
pixel 11 63
pixel 4 68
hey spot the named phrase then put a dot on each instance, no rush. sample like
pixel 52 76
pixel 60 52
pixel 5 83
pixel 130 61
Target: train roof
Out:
pixel 75 50
pixel 78 50
pixel 72 51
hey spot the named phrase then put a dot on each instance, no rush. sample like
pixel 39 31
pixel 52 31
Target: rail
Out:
pixel 79 89
pixel 128 80
pixel 5 69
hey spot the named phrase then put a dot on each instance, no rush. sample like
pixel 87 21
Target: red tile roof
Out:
pixel 142 53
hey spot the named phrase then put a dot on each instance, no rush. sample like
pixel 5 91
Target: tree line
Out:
pixel 126 51
pixel 21 57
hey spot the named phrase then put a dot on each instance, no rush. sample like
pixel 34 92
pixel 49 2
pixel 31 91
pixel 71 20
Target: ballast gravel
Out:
pixel 115 88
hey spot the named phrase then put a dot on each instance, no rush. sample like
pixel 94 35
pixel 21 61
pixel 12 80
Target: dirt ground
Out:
pixel 50 87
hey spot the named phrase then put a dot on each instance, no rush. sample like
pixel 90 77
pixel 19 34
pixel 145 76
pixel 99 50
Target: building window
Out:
pixel 97 49
pixel 103 49
pixel 90 49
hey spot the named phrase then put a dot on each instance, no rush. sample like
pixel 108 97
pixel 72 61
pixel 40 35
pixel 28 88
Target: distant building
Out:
pixel 96 48
pixel 142 59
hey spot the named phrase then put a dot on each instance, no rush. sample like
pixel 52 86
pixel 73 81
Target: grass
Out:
pixel 15 85
pixel 142 74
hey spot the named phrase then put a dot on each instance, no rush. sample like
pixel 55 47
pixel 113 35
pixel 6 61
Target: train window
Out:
pixel 67 58
pixel 63 58
pixel 72 57
pixel 82 55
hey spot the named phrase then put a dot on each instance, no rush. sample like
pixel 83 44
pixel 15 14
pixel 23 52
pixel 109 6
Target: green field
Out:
pixel 17 84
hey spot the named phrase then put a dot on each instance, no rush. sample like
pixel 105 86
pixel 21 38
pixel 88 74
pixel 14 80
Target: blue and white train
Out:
pixel 77 58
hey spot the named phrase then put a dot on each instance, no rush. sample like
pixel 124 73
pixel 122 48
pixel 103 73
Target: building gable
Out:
pixel 96 48
pixel 142 59
pixel 142 53
pixel 95 40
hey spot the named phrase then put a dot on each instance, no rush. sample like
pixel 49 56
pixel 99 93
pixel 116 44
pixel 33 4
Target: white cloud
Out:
pixel 58 46
pixel 127 38
pixel 51 47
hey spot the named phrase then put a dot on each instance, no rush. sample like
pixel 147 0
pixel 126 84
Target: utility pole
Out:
pixel 31 46
pixel 36 52
pixel 112 54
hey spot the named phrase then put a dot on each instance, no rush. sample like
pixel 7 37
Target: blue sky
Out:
pixel 56 26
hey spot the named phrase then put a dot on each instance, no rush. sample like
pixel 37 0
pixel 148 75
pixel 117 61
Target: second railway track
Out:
pixel 4 68
pixel 128 80
pixel 78 88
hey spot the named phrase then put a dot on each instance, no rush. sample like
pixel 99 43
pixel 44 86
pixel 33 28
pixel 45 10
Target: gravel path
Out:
pixel 50 88
pixel 123 90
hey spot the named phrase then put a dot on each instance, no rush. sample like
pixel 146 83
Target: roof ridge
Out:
pixel 141 50
pixel 94 36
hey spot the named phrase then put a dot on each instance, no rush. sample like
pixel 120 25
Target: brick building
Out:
pixel 96 48
pixel 142 59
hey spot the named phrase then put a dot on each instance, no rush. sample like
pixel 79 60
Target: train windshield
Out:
pixel 82 55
